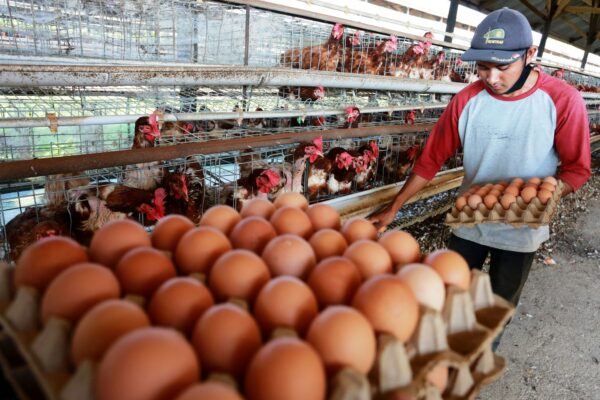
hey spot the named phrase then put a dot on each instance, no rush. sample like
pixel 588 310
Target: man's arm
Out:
pixel 414 184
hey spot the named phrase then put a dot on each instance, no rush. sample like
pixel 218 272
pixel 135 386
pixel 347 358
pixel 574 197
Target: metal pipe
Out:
pixel 48 166
pixel 119 75
pixel 451 22
pixel 362 204
pixel 201 116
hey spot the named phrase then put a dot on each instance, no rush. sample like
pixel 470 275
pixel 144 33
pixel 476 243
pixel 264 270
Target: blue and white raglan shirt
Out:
pixel 542 132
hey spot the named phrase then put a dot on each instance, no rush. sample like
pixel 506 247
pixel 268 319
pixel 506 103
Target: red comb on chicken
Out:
pixel 410 117
pixel 391 44
pixel 157 210
pixel 344 160
pixel 267 180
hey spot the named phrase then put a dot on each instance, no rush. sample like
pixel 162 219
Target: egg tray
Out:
pixel 460 338
pixel 534 214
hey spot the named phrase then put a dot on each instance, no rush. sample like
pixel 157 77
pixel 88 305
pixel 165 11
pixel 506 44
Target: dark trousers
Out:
pixel 508 269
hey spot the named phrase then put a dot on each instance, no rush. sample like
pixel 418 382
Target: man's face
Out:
pixel 499 78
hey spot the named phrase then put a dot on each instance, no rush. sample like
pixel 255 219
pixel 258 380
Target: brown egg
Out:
pixel 528 193
pixel 517 182
pixel 358 228
pixel 169 230
pixel 474 189
pixel 115 239
pixel 482 192
pixel 438 376
pixel 291 199
pixel 343 337
pixel 389 305
pixel 102 325
pixel 550 179
pixel 498 187
pixel 535 180
pixel 495 192
pixel 179 302
pixel 77 289
pixel 209 390
pixel 324 216
pixel 514 190
pixel 328 243
pixel 451 266
pixel 43 260
pixel 461 202
pixel 370 258
pixel 474 200
pixel 258 208
pixel 334 281
pixel 507 199
pixel 401 246
pixel 544 195
pixel 289 255
pixel 252 233
pixel 238 274
pixel 425 283
pixel 530 185
pixel 490 201
pixel 286 368
pixel 221 217
pixel 285 302
pixel 148 363
pixel 292 220
pixel 225 338
pixel 141 271
pixel 547 186
pixel 199 248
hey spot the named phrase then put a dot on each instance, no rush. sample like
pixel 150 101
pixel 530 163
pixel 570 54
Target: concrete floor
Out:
pixel 552 345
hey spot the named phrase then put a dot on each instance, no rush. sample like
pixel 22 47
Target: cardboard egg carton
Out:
pixel 459 338
pixel 534 214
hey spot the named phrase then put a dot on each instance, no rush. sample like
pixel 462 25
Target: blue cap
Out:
pixel 502 38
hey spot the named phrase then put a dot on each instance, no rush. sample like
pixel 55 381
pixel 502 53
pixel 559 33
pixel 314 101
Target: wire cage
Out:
pixel 78 203
pixel 198 114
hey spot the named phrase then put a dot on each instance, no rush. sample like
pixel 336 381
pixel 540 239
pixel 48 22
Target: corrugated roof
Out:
pixel 573 21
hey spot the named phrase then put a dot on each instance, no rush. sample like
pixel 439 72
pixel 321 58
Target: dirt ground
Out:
pixel 552 345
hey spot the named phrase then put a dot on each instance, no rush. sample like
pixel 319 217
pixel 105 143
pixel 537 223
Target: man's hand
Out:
pixel 382 218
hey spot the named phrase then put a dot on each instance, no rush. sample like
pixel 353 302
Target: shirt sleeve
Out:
pixel 572 139
pixel 443 141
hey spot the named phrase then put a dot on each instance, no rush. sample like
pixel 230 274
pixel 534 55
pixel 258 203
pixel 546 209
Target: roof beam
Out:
pixel 552 7
pixel 562 5
pixel 533 9
pixel 573 25
pixel 582 10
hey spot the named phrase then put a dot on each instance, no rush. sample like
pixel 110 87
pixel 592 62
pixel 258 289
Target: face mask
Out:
pixel 524 75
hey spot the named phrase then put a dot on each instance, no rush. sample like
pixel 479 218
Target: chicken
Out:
pixel 351 46
pixel 145 176
pixel 33 224
pixel 397 162
pixel 185 191
pixel 342 170
pixel 260 183
pixel 410 117
pixel 302 93
pixel 411 62
pixel 352 117
pixel 373 61
pixel 365 165
pixel 463 73
pixel 176 129
pixel 307 152
pixel 256 123
pixel 58 187
pixel 433 68
pixel 323 57
pixel 145 132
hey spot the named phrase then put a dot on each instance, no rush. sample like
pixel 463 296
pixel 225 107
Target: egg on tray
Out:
pixel 225 339
pixel 221 217
pixel 285 302
pixel 327 243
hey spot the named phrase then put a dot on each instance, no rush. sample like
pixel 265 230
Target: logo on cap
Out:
pixel 495 36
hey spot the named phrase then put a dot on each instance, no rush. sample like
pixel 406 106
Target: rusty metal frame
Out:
pixel 42 167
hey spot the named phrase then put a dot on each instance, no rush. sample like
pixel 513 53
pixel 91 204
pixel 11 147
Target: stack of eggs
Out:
pixel 506 193
pixel 279 298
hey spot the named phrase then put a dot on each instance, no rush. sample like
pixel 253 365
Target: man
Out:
pixel 515 121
